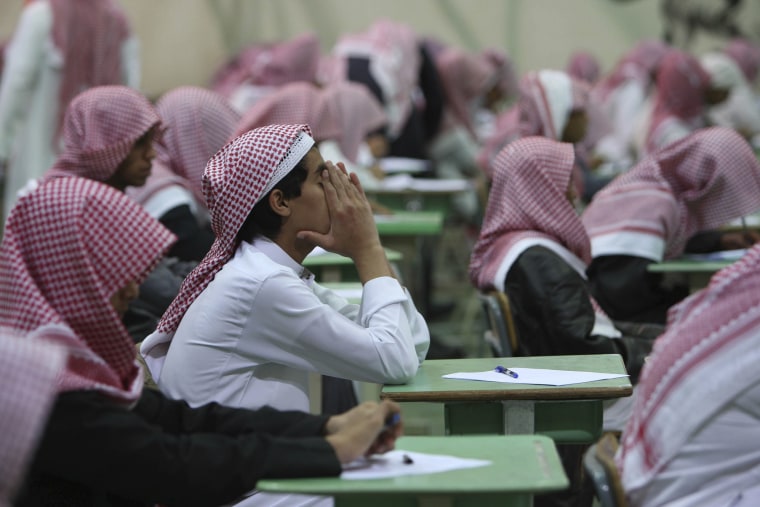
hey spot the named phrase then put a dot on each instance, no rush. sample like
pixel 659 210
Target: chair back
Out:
pixel 501 331
pixel 599 464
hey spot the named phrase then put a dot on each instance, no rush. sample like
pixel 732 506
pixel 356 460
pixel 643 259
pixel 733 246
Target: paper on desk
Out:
pixel 406 182
pixel 723 255
pixel 391 464
pixel 536 376
pixel 317 251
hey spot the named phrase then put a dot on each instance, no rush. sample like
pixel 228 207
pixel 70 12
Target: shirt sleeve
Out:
pixel 24 59
pixel 383 341
pixel 164 452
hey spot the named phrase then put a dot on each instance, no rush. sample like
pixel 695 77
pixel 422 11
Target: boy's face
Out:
pixel 309 210
pixel 135 169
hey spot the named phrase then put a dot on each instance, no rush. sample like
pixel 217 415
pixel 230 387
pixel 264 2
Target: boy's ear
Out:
pixel 279 203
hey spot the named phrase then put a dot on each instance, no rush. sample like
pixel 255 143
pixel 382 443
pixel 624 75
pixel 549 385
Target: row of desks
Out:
pixel 512 425
pixel 515 426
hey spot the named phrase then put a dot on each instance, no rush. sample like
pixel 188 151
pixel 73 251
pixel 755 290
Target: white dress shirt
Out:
pixel 253 335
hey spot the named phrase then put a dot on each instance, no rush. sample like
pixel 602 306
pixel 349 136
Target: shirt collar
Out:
pixel 278 255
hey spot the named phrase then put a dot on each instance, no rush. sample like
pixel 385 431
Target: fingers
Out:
pixel 322 240
pixel 339 180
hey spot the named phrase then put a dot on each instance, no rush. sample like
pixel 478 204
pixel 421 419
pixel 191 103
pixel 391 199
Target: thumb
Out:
pixel 317 238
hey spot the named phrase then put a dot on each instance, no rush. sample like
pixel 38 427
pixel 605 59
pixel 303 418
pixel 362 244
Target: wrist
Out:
pixel 372 263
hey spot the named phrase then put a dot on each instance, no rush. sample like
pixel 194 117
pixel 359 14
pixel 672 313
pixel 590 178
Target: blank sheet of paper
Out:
pixel 536 376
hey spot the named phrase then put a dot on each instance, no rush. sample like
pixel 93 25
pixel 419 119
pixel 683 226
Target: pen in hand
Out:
pixel 392 421
pixel 505 371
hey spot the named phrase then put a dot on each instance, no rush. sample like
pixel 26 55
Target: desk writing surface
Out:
pixel 438 200
pixel 521 465
pixel 333 259
pixel 688 266
pixel 332 267
pixel 428 385
pixel 410 223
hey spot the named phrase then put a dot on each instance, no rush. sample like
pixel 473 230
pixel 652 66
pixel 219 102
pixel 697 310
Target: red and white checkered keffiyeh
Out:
pixel 680 94
pixel 271 64
pixel 639 64
pixel 584 66
pixel 747 55
pixel 528 200
pixel 29 369
pixel 465 78
pixel 712 335
pixel 507 80
pixel 90 35
pixel 68 247
pixel 101 126
pixel 352 109
pixel 236 178
pixel 698 183
pixel 292 104
pixel 547 98
pixel 199 122
pixel 394 55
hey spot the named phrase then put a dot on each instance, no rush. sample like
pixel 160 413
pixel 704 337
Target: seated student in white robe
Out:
pixel 250 322
pixel 693 436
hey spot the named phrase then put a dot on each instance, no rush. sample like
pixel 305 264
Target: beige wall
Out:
pixel 184 41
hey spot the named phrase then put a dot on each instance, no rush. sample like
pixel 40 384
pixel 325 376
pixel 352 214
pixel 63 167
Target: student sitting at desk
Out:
pixel 250 323
pixel 682 94
pixel 656 210
pixel 362 123
pixel 72 255
pixel 692 438
pixel 533 247
pixel 198 122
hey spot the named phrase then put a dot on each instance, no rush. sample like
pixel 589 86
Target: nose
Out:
pixel 131 291
pixel 150 153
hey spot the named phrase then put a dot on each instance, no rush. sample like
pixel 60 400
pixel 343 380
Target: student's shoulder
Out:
pixel 253 267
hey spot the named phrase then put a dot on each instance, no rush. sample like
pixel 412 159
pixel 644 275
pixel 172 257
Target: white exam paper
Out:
pixel 722 255
pixel 391 464
pixel 536 376
pixel 407 182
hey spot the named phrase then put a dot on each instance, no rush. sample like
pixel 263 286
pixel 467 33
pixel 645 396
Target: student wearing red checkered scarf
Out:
pixel 73 253
pixel 250 322
pixel 671 202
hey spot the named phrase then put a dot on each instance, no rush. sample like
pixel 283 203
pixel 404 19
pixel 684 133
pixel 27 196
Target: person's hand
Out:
pixel 364 430
pixel 352 226
pixel 737 240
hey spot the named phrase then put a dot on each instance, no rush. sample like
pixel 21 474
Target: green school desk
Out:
pixel 405 223
pixel 332 267
pixel 696 273
pixel 414 235
pixel 430 195
pixel 568 414
pixel 522 465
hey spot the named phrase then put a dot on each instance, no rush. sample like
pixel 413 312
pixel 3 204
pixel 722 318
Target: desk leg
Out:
pixel 519 417
pixel 566 422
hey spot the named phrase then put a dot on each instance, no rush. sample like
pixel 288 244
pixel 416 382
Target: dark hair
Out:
pixel 262 220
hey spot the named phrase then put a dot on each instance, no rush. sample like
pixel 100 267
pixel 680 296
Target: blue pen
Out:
pixel 505 371
pixel 392 420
